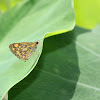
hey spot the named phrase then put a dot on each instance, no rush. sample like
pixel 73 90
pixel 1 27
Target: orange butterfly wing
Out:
pixel 23 50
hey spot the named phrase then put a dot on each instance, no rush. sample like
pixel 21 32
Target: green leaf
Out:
pixel 52 77
pixel 87 13
pixel 29 22
pixel 67 70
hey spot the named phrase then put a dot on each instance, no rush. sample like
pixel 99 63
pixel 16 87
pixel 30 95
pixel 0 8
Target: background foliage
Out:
pixel 69 64
pixel 87 13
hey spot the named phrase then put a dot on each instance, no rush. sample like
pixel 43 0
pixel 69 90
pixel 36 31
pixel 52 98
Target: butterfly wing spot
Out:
pixel 16 45
pixel 23 50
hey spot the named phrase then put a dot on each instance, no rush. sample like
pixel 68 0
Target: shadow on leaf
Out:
pixel 56 74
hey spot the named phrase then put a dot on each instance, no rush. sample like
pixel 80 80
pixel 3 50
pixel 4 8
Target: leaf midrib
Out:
pixel 87 49
pixel 78 83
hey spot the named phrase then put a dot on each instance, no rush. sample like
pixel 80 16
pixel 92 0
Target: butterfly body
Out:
pixel 23 50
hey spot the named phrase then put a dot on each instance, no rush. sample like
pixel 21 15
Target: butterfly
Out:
pixel 23 50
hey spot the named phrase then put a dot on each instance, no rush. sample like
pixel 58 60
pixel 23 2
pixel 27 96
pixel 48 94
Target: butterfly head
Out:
pixel 36 43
